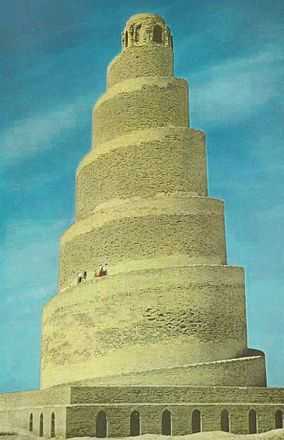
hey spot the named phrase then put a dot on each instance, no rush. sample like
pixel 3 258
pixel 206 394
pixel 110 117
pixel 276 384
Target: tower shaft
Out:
pixel 170 307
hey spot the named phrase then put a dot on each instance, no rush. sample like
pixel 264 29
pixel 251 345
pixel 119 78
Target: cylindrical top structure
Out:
pixel 147 50
pixel 146 30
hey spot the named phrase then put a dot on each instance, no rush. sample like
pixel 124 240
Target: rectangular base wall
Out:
pixel 121 411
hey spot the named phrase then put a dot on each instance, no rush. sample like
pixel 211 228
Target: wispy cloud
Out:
pixel 30 249
pixel 39 132
pixel 237 88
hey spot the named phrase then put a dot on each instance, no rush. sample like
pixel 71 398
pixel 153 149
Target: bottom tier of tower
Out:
pixel 188 322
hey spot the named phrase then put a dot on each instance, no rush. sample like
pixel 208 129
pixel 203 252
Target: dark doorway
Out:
pixel 101 424
pixel 166 423
pixel 41 425
pixel 135 423
pixel 52 425
pixel 31 423
pixel 196 421
pixel 158 34
pixel 252 422
pixel 137 33
pixel 225 421
pixel 279 419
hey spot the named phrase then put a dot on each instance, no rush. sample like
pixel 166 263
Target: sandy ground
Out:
pixel 277 434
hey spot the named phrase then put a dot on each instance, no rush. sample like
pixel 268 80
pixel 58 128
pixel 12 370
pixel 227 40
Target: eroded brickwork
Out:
pixel 162 334
pixel 75 410
pixel 169 302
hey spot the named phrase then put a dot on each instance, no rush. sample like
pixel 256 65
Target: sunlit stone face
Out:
pixel 169 301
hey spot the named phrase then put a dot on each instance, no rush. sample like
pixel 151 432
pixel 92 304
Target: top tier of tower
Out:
pixel 142 144
pixel 146 30
pixel 142 92
pixel 147 50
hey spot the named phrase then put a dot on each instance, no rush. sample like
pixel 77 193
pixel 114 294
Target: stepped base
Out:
pixel 245 371
pixel 79 410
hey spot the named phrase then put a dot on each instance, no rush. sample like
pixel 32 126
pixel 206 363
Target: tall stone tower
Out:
pixel 170 310
pixel 157 343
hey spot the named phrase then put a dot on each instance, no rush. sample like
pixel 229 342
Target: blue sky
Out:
pixel 53 60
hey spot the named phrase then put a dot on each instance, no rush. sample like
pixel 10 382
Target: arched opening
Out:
pixel 279 419
pixel 52 425
pixel 225 421
pixel 196 421
pixel 126 39
pixel 252 422
pixel 31 423
pixel 135 423
pixel 157 34
pixel 137 33
pixel 166 423
pixel 41 425
pixel 101 424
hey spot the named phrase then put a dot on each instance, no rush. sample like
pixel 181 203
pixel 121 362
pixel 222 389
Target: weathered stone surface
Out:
pixel 76 408
pixel 163 333
pixel 128 323
pixel 142 164
pixel 169 302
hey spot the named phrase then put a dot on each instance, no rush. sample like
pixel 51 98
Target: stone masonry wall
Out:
pixel 122 240
pixel 169 161
pixel 77 417
pixel 137 229
pixel 140 104
pixel 239 372
pixel 82 420
pixel 171 395
pixel 129 323
pixel 168 301
pixel 17 408
pixel 134 63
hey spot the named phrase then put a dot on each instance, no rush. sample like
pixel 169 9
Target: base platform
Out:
pixel 115 411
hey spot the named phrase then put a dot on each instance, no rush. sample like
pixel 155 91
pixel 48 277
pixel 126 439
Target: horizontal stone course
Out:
pixel 140 62
pixel 240 371
pixel 177 394
pixel 54 395
pixel 72 394
pixel 142 164
pixel 129 316
pixel 143 237
pixel 140 104
pixel 165 328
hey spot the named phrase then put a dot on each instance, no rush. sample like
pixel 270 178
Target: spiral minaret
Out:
pixel 170 310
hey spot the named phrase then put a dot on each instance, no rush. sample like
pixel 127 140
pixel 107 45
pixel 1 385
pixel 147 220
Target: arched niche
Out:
pixel 166 428
pixel 279 419
pixel 137 33
pixel 52 425
pixel 101 424
pixel 41 425
pixel 31 423
pixel 157 34
pixel 252 422
pixel 196 421
pixel 225 421
pixel 135 423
